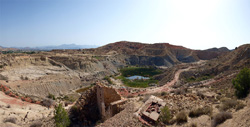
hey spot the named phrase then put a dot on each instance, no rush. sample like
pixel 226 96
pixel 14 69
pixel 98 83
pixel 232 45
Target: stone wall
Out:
pixel 108 101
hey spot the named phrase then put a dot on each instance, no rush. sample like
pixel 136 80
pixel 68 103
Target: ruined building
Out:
pixel 109 101
pixel 150 111
pixel 97 103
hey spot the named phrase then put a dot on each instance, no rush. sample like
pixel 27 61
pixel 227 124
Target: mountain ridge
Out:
pixel 49 47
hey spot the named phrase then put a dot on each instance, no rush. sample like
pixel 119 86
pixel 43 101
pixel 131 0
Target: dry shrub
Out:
pixel 10 119
pixel 3 77
pixel 220 118
pixel 8 106
pixel 48 102
pixel 180 91
pixel 228 104
pixel 201 111
pixel 240 106
pixel 181 117
pixel 193 125
pixel 200 94
pixel 36 124
pixel 163 93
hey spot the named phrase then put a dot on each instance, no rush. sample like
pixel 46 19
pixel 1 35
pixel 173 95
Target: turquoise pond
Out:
pixel 136 77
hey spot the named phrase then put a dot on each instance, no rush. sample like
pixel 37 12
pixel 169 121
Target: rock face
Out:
pixel 159 54
pixel 58 74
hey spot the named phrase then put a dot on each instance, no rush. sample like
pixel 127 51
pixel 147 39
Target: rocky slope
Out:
pixel 58 74
pixel 159 54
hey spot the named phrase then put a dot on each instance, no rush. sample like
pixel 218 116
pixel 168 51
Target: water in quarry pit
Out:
pixel 136 77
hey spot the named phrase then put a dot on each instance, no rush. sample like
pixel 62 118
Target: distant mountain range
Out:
pixel 47 48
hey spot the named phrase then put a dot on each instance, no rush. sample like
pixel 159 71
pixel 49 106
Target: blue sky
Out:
pixel 196 24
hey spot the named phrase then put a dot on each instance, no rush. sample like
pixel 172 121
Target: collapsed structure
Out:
pixel 109 101
pixel 150 110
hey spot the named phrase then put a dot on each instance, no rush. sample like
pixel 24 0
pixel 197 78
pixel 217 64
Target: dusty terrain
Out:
pixel 25 113
pixel 61 73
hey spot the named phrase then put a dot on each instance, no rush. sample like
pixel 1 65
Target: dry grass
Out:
pixel 48 102
pixel 240 106
pixel 193 125
pixel 36 124
pixel 201 111
pixel 181 117
pixel 10 119
pixel 220 118
pixel 180 91
pixel 228 104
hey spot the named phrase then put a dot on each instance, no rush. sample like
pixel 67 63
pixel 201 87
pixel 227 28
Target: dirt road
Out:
pixel 166 87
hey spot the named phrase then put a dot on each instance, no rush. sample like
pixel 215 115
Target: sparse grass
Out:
pixel 193 125
pixel 36 124
pixel 83 89
pixel 181 117
pixel 163 93
pixel 108 79
pixel 47 102
pixel 10 119
pixel 228 104
pixel 198 79
pixel 51 96
pixel 201 111
pixel 200 94
pixel 180 91
pixel 3 77
pixel 69 98
pixel 97 57
pixel 220 118
pixel 24 78
pixel 240 106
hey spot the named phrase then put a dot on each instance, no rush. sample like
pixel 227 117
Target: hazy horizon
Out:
pixel 193 24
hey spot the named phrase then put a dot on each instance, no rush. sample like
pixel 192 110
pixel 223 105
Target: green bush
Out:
pixel 61 117
pixel 242 83
pixel 51 96
pixel 165 116
pixel 108 79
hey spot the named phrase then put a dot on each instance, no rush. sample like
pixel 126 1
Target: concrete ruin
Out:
pixel 150 111
pixel 109 101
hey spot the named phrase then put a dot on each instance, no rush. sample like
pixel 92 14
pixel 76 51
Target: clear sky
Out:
pixel 196 24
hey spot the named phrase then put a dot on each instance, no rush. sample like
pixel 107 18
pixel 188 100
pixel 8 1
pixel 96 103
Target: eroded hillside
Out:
pixel 189 80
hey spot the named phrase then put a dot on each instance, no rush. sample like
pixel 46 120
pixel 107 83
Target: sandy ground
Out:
pixel 24 112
